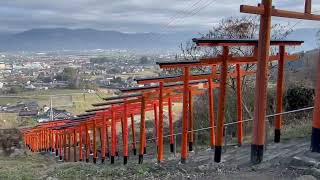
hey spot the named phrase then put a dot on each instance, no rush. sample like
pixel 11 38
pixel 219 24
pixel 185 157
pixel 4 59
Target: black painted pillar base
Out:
pixel 108 155
pixel 117 153
pixel 60 158
pixel 212 147
pixel 80 160
pixel 94 160
pixel 217 154
pixel 134 151
pixel 87 160
pixel 190 146
pixel 102 160
pixel 172 148
pixel 315 140
pixel 183 160
pixel 277 134
pixel 140 158
pixel 57 153
pixel 145 150
pixel 112 159
pixel 125 160
pixel 256 153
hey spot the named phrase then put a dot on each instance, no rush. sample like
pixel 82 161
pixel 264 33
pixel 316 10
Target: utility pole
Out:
pixel 51 111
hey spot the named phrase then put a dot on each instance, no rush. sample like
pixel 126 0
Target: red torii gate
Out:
pixel 123 108
pixel 36 138
pixel 161 89
pixel 168 79
pixel 147 105
pixel 226 59
pixel 266 11
pixel 186 77
pixel 92 120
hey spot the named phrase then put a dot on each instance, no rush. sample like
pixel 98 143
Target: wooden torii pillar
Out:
pixel 225 60
pixel 266 11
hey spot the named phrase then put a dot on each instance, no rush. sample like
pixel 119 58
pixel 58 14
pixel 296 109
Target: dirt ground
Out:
pixel 290 159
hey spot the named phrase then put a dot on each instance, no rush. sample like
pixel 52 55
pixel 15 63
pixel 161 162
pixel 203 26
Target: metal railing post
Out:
pixel 225 138
pixel 267 133
pixel 196 142
pixel 175 146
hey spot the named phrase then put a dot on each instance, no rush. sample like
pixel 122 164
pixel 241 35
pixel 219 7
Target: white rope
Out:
pixel 232 123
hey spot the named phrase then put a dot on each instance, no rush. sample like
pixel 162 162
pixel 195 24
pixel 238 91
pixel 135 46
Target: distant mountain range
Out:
pixel 308 35
pixel 88 39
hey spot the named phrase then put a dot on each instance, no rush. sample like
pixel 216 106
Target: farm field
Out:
pixel 73 101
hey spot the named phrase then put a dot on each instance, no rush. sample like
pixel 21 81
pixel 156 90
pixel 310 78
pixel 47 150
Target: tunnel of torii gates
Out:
pixel 61 135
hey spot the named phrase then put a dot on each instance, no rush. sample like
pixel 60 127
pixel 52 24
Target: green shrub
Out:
pixel 298 97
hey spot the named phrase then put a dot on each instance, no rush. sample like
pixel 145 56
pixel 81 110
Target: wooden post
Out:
pixel 60 146
pixel 87 142
pixel 160 124
pixel 64 145
pixel 239 105
pixel 75 145
pixel 116 138
pixel 280 87
pixel 53 141
pixel 94 139
pixel 133 131
pixel 80 143
pixel 261 84
pixel 57 143
pixel 113 135
pixel 142 130
pixel 103 135
pixel 307 7
pixel 156 122
pixel 190 124
pixel 108 144
pixel 315 138
pixel 221 107
pixel 41 140
pixel 184 152
pixel 211 111
pixel 171 125
pixel 125 135
pixel 69 146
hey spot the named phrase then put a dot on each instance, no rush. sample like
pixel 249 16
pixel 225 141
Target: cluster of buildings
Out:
pixel 39 71
pixel 31 109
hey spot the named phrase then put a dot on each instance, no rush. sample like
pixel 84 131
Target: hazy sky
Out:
pixel 130 15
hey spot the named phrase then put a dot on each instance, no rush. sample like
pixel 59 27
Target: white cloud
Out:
pixel 129 15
